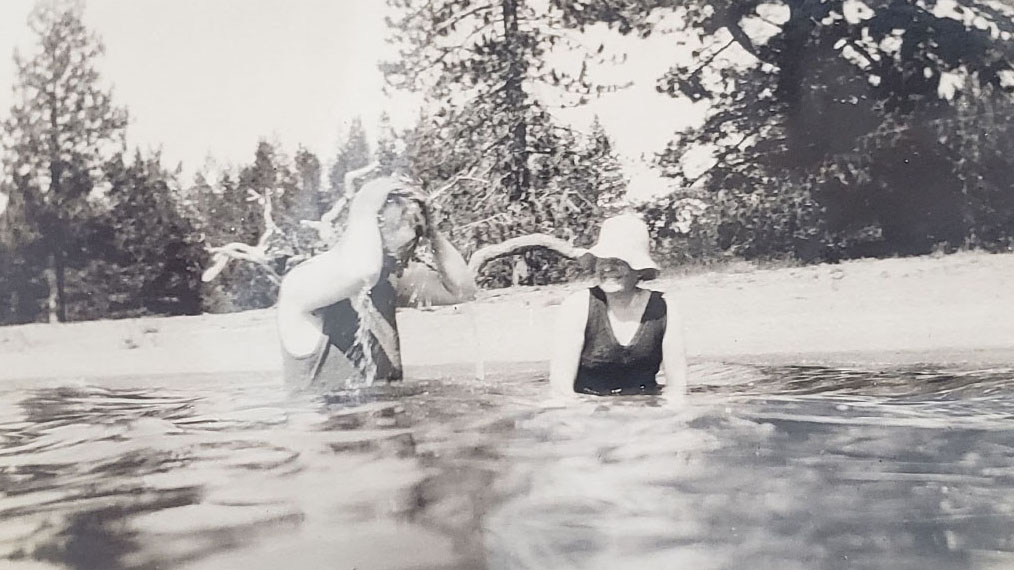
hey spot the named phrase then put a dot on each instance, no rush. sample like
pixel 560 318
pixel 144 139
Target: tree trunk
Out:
pixel 61 273
pixel 521 274
pixel 790 79
pixel 52 302
pixel 57 310
pixel 517 180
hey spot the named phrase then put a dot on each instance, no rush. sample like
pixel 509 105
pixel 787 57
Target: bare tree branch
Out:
pixel 726 152
pixel 266 252
pixel 455 20
pixel 458 178
pixel 707 61
pixel 325 227
pixel 240 252
pixel 244 252
pixel 741 37
pixel 515 246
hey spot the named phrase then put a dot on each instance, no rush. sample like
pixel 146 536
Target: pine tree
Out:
pixel 61 130
pixel 389 154
pixel 486 136
pixel 22 285
pixel 152 255
pixel 833 119
pixel 353 153
pixel 610 185
pixel 478 63
pixel 308 204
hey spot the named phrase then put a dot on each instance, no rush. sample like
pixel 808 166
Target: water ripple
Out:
pixel 764 467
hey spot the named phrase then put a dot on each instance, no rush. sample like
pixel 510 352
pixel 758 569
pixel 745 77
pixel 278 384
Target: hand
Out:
pixel 429 221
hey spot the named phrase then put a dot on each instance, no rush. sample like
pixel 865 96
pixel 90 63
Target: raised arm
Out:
pixel 674 359
pixel 353 264
pixel 571 318
pixel 453 281
pixel 455 275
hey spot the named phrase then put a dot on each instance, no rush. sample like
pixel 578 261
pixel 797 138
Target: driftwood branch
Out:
pixel 221 256
pixel 515 246
pixel 258 254
pixel 265 253
pixel 325 227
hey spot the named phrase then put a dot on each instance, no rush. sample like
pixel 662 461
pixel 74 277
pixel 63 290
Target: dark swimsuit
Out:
pixel 606 366
pixel 339 361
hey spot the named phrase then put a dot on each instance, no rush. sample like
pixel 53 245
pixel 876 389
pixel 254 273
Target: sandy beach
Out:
pixel 956 309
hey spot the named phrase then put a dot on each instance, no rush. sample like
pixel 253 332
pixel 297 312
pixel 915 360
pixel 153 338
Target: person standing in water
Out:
pixel 336 311
pixel 614 337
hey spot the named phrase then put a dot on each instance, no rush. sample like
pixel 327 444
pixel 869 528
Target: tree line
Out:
pixel 834 129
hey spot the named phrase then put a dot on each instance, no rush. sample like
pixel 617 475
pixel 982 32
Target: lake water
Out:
pixel 763 468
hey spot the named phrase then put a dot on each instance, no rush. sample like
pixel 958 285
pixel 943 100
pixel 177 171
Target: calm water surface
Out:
pixel 781 468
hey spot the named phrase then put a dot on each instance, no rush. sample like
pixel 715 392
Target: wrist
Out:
pixel 435 237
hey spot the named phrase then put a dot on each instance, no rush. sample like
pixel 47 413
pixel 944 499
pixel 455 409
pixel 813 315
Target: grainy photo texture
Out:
pixel 507 284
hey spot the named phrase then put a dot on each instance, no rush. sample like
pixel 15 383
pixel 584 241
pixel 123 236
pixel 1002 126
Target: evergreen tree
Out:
pixel 389 155
pixel 609 185
pixel 61 130
pixel 483 134
pixel 308 204
pixel 831 119
pixel 22 286
pixel 478 62
pixel 151 253
pixel 353 153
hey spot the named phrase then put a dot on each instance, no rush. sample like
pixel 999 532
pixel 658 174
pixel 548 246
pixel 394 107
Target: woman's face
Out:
pixel 401 226
pixel 615 276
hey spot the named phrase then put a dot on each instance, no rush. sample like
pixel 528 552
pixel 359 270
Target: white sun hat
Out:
pixel 625 237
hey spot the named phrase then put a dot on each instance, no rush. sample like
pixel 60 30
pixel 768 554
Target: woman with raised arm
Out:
pixel 336 311
pixel 613 337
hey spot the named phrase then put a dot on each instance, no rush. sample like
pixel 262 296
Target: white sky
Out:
pixel 211 77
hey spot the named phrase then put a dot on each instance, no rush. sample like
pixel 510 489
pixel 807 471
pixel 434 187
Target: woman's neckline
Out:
pixel 640 321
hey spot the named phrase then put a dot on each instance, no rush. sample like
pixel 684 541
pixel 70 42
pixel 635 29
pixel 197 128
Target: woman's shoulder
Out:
pixel 574 308
pixel 671 303
pixel 654 294
pixel 660 294
pixel 577 298
pixel 655 306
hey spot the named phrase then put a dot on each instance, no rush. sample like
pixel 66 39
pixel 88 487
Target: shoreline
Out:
pixel 955 310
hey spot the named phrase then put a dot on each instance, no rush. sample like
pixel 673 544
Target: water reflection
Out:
pixel 793 467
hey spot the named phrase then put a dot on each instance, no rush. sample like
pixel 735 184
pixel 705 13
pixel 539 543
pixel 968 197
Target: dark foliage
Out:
pixel 845 128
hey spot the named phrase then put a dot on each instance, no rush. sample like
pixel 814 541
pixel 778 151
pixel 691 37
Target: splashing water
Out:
pixel 363 306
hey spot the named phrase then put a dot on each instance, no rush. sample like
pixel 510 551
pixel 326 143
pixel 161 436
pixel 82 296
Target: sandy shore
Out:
pixel 956 309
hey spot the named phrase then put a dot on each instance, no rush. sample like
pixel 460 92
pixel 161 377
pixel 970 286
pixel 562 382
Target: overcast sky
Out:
pixel 212 77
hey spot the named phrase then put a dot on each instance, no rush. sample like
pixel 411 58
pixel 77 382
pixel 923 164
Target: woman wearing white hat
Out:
pixel 614 337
